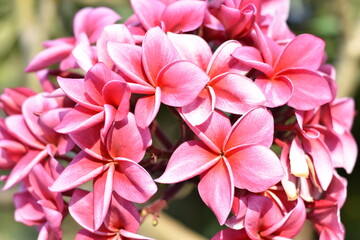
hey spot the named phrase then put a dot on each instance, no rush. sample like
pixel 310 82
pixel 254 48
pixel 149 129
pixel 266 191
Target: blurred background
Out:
pixel 25 24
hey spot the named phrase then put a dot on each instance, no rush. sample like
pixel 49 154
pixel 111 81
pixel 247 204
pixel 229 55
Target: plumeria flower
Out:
pixel 168 79
pixel 37 206
pixel 227 157
pixel 35 130
pixel 288 74
pixel 234 17
pixel 102 97
pixel 227 89
pixel 111 164
pixel 121 222
pixel 268 216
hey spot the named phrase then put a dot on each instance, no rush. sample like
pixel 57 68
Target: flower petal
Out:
pixel 255 168
pixel 192 48
pixel 222 61
pixel 127 140
pixel 189 16
pixel 147 108
pixel 304 51
pixel 199 110
pixel 216 189
pixel 180 83
pixel 236 93
pixel 49 56
pixel 103 187
pixel 157 46
pixel 24 166
pixel 133 182
pixel 189 160
pixel 81 169
pixel 79 118
pixel 118 33
pixel 254 127
pixel 127 58
pixel 277 91
pixel 304 96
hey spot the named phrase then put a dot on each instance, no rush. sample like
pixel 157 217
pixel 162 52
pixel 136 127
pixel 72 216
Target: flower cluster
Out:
pixel 261 131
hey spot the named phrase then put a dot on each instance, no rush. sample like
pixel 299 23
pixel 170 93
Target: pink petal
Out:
pixel 177 84
pixel 84 54
pixel 148 12
pixel 222 61
pixel 351 152
pixel 117 33
pixel 189 160
pixel 122 215
pixel 251 57
pixel 79 118
pixel 127 140
pixel 254 127
pixel 277 91
pixel 81 169
pixel 49 56
pixel 304 51
pixel 96 79
pixel 157 46
pixel 53 216
pixel 210 133
pixel 199 110
pixel 216 189
pixel 28 211
pixel 189 16
pixel 127 58
pixel 322 161
pixel 192 48
pixel 133 182
pixel 17 127
pixel 236 93
pixel 117 93
pixel 340 108
pixel 103 187
pixel 92 21
pixel 147 108
pixel 24 166
pixel 255 168
pixel 89 140
pixel 76 91
pixel 304 96
pixel 295 222
pixel 32 108
pixel 81 208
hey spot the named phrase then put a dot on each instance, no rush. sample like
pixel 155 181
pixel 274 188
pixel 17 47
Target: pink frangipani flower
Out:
pixel 111 164
pixel 227 89
pixel 121 222
pixel 102 97
pixel 37 205
pixel 227 157
pixel 268 216
pixel 289 74
pixel 35 130
pixel 168 79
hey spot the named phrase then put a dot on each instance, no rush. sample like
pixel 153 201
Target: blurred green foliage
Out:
pixel 25 24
